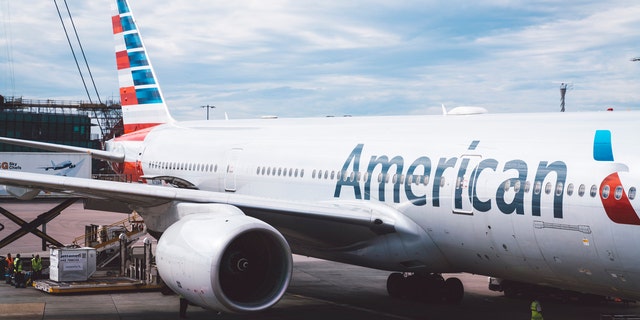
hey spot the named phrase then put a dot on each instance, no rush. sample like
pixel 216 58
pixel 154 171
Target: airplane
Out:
pixel 59 166
pixel 540 198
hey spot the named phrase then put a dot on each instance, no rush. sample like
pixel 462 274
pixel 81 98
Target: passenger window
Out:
pixel 605 192
pixel 301 173
pixel 632 193
pixel 333 174
pixel 594 191
pixel 581 190
pixel 559 188
pixel 547 188
pixel 313 174
pixel 570 189
pixel 537 187
pixel 618 193
pixel 516 186
pixel 527 186
pixel 507 185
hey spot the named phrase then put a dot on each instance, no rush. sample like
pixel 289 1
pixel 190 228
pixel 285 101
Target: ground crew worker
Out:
pixel 17 264
pixel 536 310
pixel 36 266
pixel 17 271
pixel 9 261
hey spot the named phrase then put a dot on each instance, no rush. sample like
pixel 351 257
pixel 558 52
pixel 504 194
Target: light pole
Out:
pixel 208 107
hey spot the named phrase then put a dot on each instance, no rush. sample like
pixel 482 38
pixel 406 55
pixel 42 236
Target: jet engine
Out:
pixel 225 260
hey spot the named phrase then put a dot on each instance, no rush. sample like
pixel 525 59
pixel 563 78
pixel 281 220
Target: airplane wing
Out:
pixel 138 195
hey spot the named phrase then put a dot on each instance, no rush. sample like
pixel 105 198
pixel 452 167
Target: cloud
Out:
pixel 309 58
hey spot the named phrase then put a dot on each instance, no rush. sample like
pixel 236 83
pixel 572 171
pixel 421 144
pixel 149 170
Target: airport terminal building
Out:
pixel 73 123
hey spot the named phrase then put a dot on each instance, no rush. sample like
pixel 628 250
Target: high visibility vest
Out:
pixel 36 264
pixel 17 265
pixel 535 315
pixel 536 311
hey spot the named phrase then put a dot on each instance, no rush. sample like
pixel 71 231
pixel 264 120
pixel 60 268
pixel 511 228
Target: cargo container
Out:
pixel 72 264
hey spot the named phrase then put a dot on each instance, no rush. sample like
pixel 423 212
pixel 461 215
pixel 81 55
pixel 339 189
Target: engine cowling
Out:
pixel 225 261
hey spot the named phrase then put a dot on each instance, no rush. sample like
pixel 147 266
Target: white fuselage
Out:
pixel 499 195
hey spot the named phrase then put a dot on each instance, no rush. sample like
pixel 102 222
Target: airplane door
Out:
pixel 462 195
pixel 230 174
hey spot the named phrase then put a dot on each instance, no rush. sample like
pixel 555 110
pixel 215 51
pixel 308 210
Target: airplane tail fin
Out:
pixel 143 104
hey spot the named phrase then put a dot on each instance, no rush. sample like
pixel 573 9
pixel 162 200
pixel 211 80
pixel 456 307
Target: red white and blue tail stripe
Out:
pixel 143 105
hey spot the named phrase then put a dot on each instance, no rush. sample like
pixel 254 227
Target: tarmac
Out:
pixel 319 289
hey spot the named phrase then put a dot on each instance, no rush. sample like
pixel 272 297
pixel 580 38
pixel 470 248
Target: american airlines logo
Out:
pixel 508 197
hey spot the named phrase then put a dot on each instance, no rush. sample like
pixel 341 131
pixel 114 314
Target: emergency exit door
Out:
pixel 230 174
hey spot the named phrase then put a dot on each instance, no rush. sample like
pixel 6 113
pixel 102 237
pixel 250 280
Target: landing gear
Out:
pixel 429 288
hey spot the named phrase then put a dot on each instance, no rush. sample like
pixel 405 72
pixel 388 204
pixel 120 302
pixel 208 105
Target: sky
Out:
pixel 301 58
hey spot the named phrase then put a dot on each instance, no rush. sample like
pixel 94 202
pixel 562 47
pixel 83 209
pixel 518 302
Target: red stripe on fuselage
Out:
pixel 618 210
pixel 132 170
pixel 136 131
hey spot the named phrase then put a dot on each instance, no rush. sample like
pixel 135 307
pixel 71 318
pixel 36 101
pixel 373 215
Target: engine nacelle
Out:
pixel 225 261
